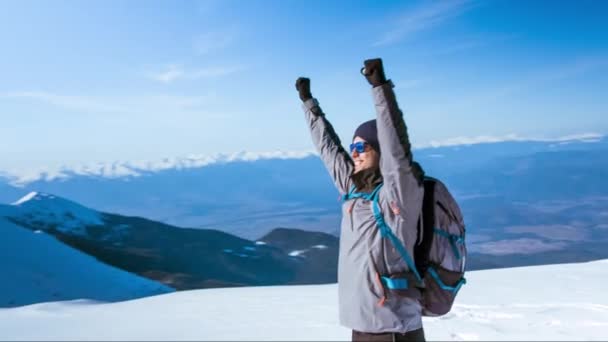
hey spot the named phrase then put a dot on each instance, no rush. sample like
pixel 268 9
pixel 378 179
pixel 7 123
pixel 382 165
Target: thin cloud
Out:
pixel 213 41
pixel 172 73
pixel 207 7
pixel 115 105
pixel 575 68
pixel 548 75
pixel 78 103
pixel 176 72
pixel 462 45
pixel 423 18
pixel 461 141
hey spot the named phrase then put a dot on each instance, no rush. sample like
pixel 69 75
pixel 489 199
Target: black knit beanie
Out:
pixel 369 132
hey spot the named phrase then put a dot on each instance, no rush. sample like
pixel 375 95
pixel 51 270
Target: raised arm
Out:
pixel 327 143
pixel 402 177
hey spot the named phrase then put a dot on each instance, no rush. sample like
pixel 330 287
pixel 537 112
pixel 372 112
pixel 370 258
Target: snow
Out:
pixel 136 168
pixel 259 243
pixel 58 213
pixel 26 198
pixel 118 169
pixel 300 253
pixel 297 253
pixel 557 302
pixel 36 268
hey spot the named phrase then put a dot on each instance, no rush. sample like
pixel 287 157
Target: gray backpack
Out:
pixel 441 256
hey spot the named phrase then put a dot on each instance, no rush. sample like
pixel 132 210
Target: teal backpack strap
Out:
pixel 442 285
pixel 386 232
pixel 353 194
pixel 348 195
pixel 395 283
pixel 454 239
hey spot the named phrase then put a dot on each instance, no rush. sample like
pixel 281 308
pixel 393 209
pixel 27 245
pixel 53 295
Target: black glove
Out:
pixel 374 72
pixel 303 87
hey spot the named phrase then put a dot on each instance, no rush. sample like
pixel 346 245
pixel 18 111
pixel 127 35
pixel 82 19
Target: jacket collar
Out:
pixel 366 180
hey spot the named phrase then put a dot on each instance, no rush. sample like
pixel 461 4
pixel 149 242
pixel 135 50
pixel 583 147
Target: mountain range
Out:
pixel 249 197
pixel 182 258
pixel 275 221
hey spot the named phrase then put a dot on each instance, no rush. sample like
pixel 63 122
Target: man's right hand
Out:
pixel 303 88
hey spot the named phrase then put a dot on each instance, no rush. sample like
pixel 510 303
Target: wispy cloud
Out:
pixel 207 7
pixel 214 40
pixel 423 18
pixel 115 105
pixel 175 72
pixel 483 139
pixel 547 75
pixel 577 67
pixel 169 75
pixel 460 45
pixel 77 103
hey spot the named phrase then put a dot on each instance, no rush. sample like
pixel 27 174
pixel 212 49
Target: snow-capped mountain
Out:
pixel 524 202
pixel 38 268
pixel 50 212
pixel 249 196
pixel 139 168
pixel 541 303
pixel 182 258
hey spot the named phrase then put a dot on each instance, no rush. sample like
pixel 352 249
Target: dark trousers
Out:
pixel 414 335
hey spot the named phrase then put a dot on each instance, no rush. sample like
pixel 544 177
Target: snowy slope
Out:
pixel 37 268
pixel 558 302
pixel 58 213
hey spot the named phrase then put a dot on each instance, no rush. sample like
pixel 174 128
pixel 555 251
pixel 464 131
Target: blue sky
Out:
pixel 102 81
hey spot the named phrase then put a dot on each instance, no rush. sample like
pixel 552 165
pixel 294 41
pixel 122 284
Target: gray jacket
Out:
pixel 364 254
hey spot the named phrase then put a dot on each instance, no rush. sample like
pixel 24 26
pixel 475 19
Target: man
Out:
pixel 380 158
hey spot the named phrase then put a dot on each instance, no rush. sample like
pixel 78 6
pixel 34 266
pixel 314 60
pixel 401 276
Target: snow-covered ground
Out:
pixel 558 302
pixel 37 268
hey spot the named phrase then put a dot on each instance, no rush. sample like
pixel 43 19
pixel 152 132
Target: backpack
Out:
pixel 440 256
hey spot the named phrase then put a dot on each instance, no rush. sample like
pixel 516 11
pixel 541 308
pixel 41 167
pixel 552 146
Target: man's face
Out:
pixel 367 159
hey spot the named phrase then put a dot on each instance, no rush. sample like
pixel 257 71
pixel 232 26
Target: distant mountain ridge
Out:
pixel 523 201
pixel 186 258
pixel 182 258
pixel 249 198
pixel 126 169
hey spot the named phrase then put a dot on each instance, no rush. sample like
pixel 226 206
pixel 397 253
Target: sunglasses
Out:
pixel 359 146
